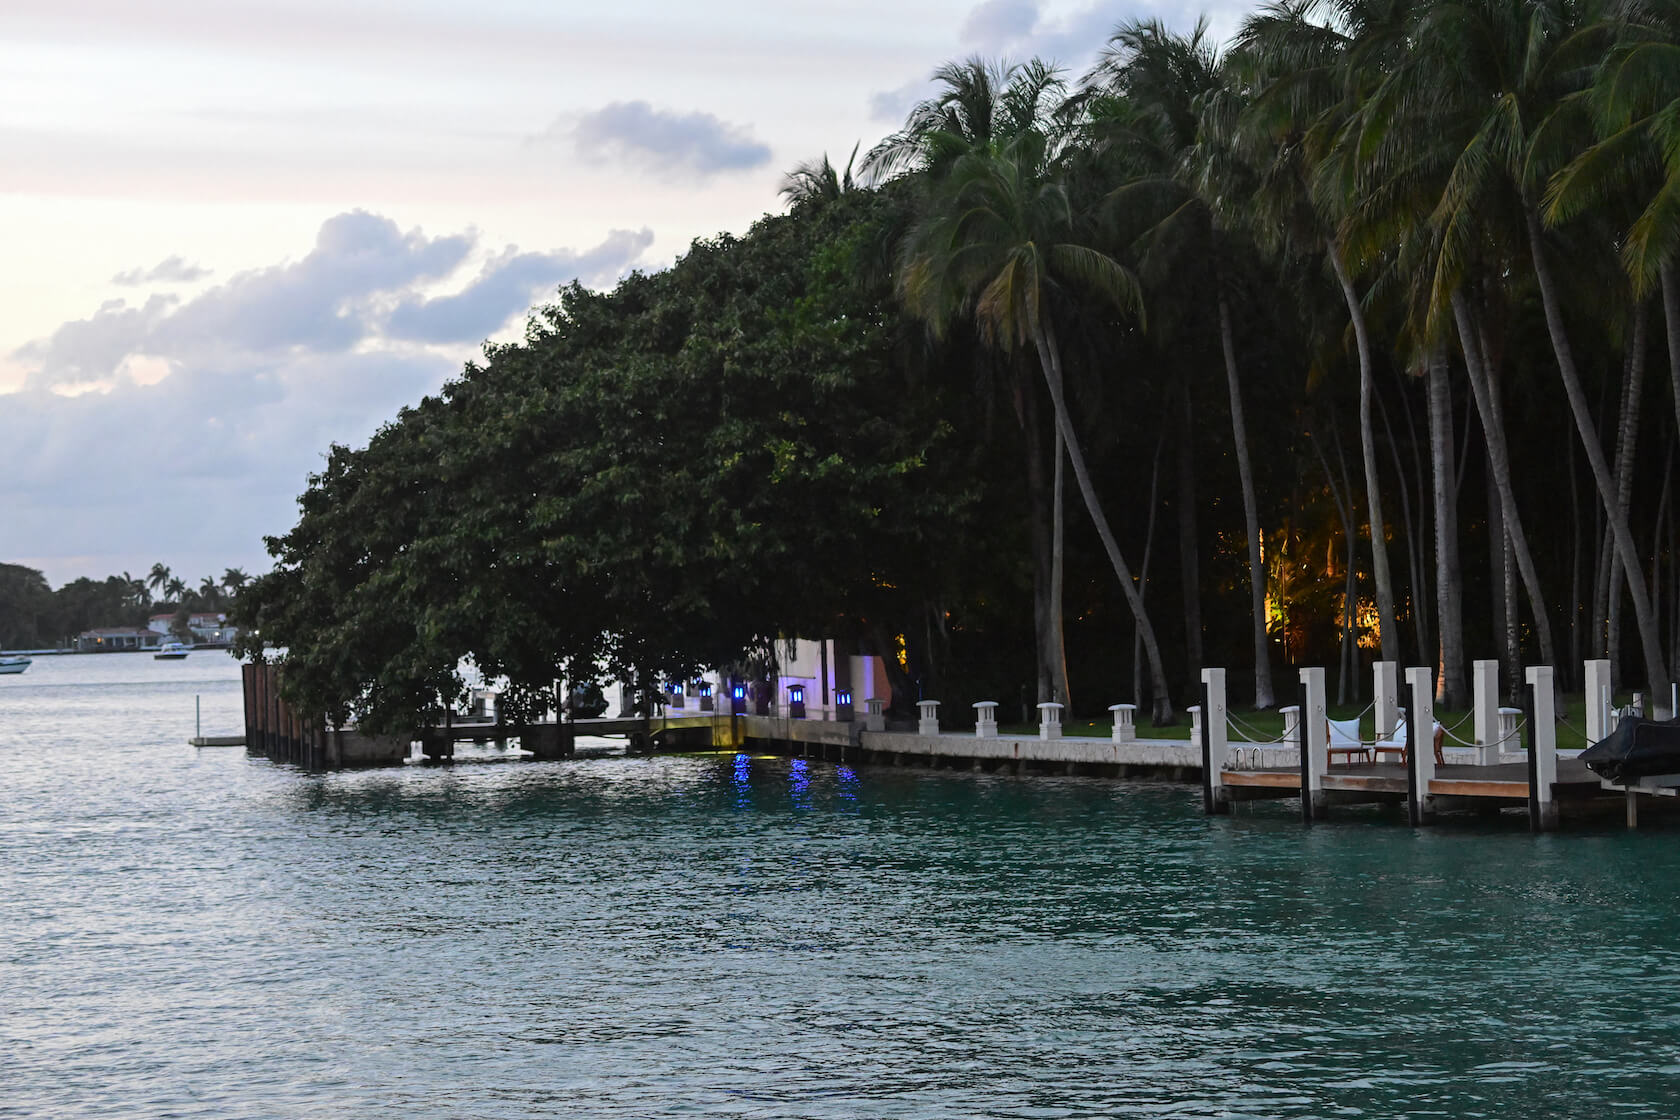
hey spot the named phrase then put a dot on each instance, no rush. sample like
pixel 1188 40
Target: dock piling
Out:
pixel 1542 753
pixel 1315 752
pixel 1215 741
pixel 1420 743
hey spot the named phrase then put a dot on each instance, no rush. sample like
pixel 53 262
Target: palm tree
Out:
pixel 158 579
pixel 1000 240
pixel 979 103
pixel 1516 78
pixel 1307 75
pixel 816 182
pixel 210 591
pixel 174 590
pixel 1156 85
pixel 234 581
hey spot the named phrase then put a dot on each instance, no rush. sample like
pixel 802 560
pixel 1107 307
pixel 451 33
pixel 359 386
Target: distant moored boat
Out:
pixel 14 664
pixel 170 651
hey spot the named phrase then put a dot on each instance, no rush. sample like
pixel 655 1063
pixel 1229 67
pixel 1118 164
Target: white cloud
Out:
pixel 172 270
pixel 663 141
pixel 173 427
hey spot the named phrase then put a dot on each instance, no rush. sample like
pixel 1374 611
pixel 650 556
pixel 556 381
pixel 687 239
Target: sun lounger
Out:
pixel 1344 740
pixel 1397 745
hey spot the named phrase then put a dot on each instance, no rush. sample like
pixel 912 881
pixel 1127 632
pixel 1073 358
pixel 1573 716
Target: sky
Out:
pixel 238 231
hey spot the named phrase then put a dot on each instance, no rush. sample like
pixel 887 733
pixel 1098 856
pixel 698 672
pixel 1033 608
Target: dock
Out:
pixel 1511 762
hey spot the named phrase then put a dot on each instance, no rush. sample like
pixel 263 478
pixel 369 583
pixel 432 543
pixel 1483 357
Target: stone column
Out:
pixel 1125 722
pixel 875 714
pixel 1049 720
pixel 1386 678
pixel 928 721
pixel 1484 677
pixel 985 719
pixel 1598 699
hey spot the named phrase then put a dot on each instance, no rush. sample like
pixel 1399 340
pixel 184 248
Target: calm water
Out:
pixel 195 933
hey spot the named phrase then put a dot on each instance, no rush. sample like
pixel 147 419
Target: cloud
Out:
pixel 172 270
pixel 179 428
pixel 665 142
pixel 508 285
pixel 893 105
pixel 998 24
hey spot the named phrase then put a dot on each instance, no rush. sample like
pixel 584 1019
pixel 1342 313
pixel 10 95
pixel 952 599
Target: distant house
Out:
pixel 208 629
pixel 117 639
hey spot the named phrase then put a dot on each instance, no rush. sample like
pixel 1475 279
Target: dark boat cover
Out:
pixel 1638 748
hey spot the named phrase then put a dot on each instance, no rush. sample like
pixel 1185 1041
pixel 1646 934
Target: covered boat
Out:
pixel 1638 749
pixel 14 664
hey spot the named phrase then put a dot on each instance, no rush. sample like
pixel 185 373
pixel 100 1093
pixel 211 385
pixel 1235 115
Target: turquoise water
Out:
pixel 198 934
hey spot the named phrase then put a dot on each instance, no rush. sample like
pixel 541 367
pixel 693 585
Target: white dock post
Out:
pixel 928 723
pixel 1542 768
pixel 1125 722
pixel 1386 679
pixel 1317 760
pixel 1049 720
pixel 1598 699
pixel 985 719
pixel 875 714
pixel 1195 711
pixel 1484 678
pixel 1420 738
pixel 1218 735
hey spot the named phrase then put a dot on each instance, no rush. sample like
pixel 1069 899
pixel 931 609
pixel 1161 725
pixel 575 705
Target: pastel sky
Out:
pixel 236 231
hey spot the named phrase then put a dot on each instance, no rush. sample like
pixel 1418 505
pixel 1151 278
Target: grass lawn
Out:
pixel 1260 726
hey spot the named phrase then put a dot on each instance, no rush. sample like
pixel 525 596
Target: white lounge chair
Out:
pixel 1344 740
pixel 1398 745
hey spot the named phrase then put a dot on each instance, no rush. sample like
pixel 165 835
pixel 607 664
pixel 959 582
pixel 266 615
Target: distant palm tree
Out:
pixel 158 580
pixel 1000 242
pixel 175 589
pixel 211 592
pixel 234 581
pixel 816 181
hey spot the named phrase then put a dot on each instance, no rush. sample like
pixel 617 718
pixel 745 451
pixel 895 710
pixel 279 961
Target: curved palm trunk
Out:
pixel 1380 572
pixel 1450 686
pixel 1627 436
pixel 1058 557
pixel 1263 697
pixel 1044 339
pixel 1499 461
pixel 1042 519
pixel 1656 672
pixel 1670 276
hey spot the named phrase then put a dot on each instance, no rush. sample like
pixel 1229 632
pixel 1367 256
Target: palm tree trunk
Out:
pixel 1656 672
pixel 1263 697
pixel 1189 566
pixel 1451 684
pixel 1058 558
pixel 1627 436
pixel 1499 462
pixel 1670 276
pixel 1380 573
pixel 1041 523
pixel 1044 339
pixel 1148 554
pixel 1344 668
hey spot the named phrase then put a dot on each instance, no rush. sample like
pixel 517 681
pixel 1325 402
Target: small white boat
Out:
pixel 170 651
pixel 15 664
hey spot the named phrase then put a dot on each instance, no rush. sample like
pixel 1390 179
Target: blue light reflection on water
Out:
pixel 198 934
